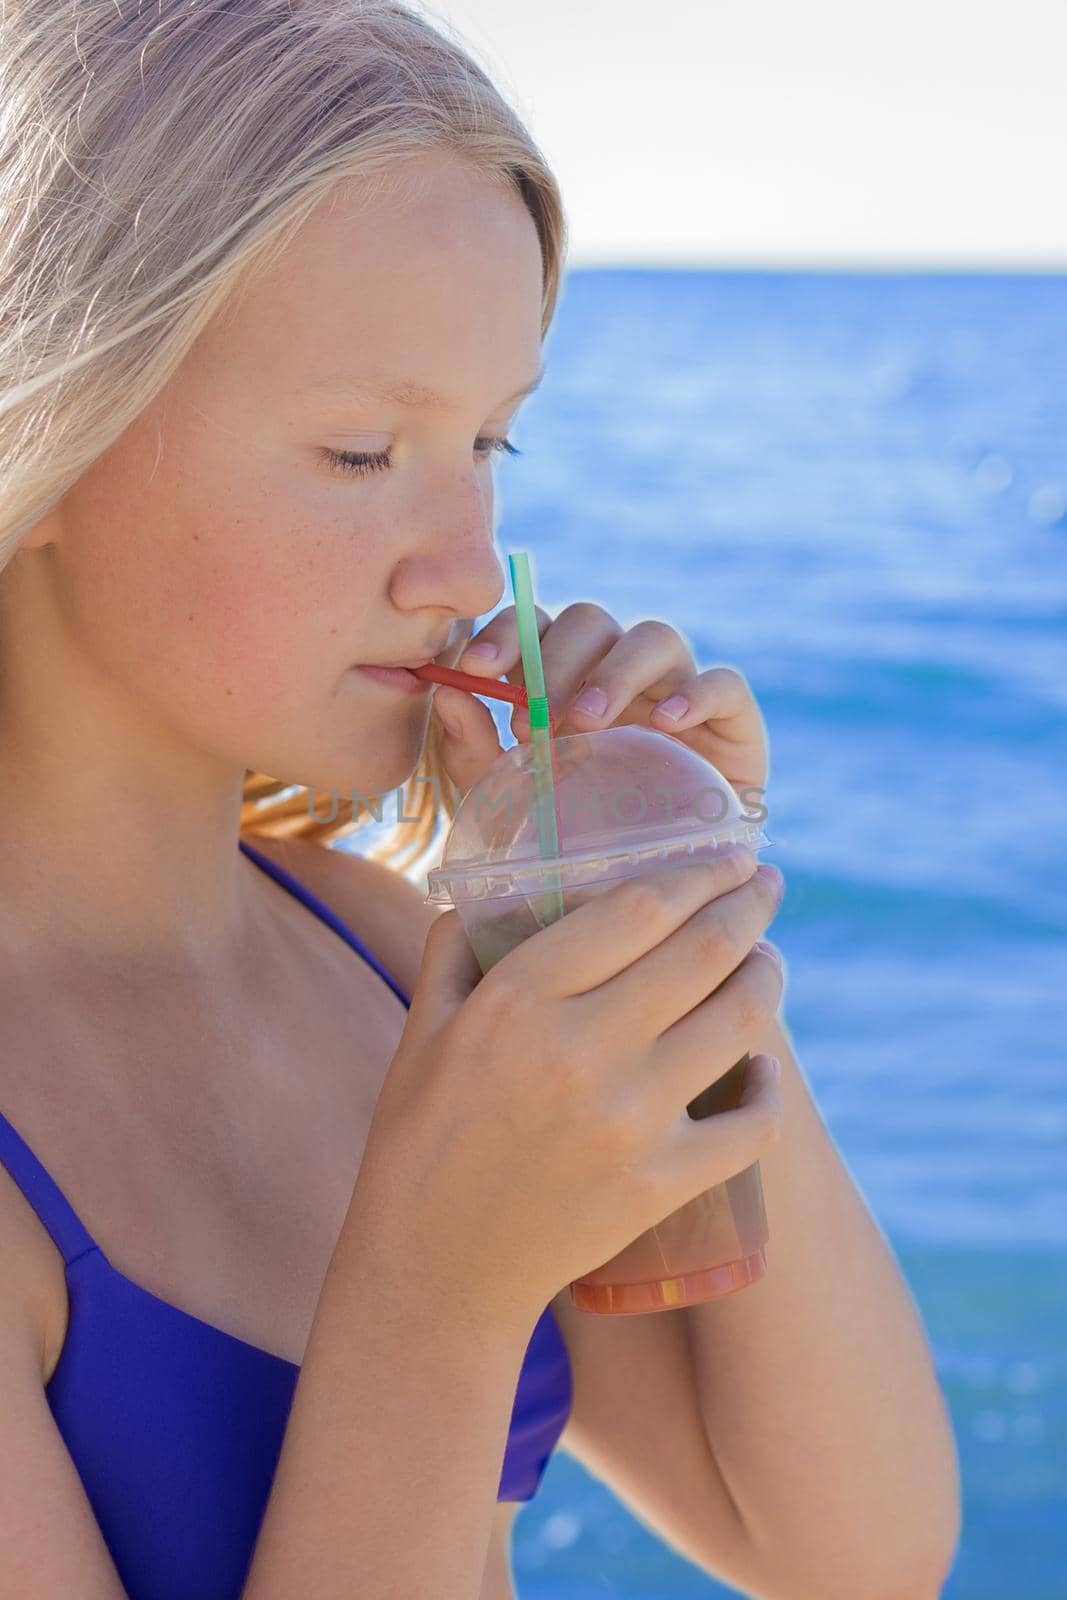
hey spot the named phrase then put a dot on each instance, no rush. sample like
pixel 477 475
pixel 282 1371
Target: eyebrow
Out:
pixel 404 392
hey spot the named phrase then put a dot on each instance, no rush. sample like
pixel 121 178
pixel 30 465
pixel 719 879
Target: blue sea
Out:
pixel 854 488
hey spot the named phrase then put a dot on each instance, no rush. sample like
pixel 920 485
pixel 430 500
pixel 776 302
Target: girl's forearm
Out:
pixel 818 1389
pixel 389 1469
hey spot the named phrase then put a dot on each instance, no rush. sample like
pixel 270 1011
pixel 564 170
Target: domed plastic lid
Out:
pixel 623 796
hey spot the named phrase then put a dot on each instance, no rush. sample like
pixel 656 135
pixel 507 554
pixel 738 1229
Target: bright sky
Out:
pixel 808 132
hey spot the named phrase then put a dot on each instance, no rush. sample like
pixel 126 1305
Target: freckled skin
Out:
pixel 210 580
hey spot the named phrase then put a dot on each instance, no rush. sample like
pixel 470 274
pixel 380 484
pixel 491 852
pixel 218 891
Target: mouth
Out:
pixel 401 674
pixel 399 677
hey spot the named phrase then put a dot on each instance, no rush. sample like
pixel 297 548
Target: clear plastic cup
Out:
pixel 628 800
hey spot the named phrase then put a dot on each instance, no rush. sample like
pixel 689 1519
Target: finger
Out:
pixel 718 694
pixel 469 740
pixel 695 1051
pixel 571 646
pixel 648 659
pixel 578 641
pixel 449 973
pixel 502 636
pixel 701 1154
pixel 588 948
pixel 686 966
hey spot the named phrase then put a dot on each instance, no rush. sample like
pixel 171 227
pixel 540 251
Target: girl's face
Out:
pixel 220 572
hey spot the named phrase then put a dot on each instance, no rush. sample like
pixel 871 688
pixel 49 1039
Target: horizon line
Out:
pixel 835 264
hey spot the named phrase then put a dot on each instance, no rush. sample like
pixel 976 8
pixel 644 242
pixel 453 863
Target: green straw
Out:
pixel 540 736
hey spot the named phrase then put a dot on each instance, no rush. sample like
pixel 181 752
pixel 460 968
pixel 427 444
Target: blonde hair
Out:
pixel 152 157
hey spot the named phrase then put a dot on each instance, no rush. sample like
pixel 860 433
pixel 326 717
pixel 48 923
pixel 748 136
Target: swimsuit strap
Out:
pixel 69 1234
pixel 320 909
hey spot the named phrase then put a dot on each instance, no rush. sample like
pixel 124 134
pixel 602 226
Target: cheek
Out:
pixel 208 587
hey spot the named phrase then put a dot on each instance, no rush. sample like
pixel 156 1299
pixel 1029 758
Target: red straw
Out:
pixel 492 688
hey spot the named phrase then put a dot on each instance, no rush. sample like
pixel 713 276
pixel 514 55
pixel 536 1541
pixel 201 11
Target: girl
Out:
pixel 282 1260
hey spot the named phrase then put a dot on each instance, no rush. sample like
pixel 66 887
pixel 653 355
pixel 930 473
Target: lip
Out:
pixel 412 661
pixel 416 661
pixel 398 677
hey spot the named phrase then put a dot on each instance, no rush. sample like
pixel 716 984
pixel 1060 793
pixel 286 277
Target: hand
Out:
pixel 533 1122
pixel 637 668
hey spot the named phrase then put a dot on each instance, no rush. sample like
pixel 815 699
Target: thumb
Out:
pixel 449 973
pixel 470 743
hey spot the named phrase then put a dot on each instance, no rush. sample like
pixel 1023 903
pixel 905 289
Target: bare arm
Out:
pixel 387 1479
pixel 818 1387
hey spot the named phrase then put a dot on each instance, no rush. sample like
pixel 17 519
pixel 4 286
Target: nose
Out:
pixel 454 565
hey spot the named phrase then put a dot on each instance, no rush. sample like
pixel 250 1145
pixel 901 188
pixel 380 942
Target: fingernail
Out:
pixel 776 1066
pixel 487 651
pixel 770 874
pixel 675 707
pixel 450 727
pixel 592 701
pixel 768 950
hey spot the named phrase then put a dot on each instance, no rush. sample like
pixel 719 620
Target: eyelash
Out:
pixel 362 465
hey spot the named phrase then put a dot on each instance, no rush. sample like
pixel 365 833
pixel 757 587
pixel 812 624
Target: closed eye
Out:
pixel 361 465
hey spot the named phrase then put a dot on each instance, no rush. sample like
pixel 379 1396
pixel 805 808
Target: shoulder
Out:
pixel 377 902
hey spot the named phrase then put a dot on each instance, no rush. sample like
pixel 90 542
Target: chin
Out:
pixel 388 762
pixel 375 765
